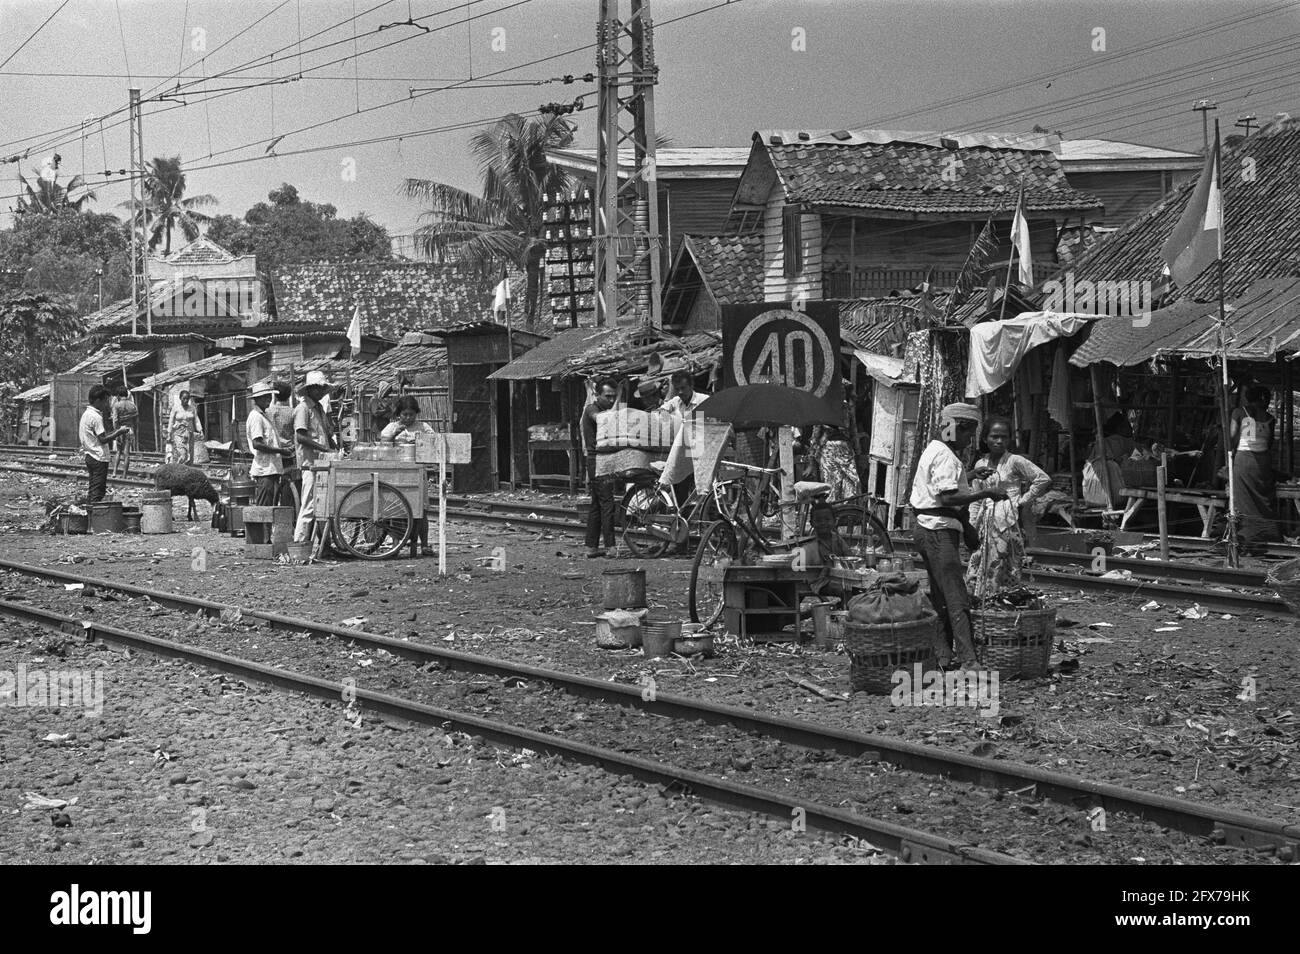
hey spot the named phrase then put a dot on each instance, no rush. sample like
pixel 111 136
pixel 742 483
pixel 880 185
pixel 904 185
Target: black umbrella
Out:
pixel 753 405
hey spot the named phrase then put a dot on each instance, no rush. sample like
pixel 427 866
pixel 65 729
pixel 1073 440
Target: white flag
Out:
pixel 354 331
pixel 501 297
pixel 1020 241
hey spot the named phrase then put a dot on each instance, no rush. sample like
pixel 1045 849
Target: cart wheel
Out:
pixel 718 549
pixel 287 496
pixel 372 528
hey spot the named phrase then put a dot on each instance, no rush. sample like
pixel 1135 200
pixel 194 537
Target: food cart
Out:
pixel 372 502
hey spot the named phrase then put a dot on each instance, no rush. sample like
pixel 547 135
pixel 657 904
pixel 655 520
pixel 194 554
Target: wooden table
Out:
pixel 760 601
pixel 1289 492
pixel 1207 502
pixel 564 446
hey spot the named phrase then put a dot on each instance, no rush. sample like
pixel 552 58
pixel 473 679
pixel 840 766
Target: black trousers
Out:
pixel 265 490
pixel 600 519
pixel 98 479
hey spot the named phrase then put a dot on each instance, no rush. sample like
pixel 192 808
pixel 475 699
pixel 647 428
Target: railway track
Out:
pixel 1197 821
pixel 1218 588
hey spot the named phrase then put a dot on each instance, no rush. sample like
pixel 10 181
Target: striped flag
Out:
pixel 1197 239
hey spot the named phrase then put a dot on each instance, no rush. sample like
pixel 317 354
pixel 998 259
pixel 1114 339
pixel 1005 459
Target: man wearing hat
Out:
pixel 940 495
pixel 264 444
pixel 652 397
pixel 312 432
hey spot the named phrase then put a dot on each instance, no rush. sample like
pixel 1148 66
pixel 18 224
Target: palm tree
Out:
pixel 165 206
pixel 47 194
pixel 504 223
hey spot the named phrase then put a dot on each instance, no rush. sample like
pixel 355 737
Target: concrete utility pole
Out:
pixel 1203 106
pixel 627 243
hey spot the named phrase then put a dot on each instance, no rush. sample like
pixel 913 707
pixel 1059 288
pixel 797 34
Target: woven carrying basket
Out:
pixel 1284 578
pixel 878 650
pixel 1019 642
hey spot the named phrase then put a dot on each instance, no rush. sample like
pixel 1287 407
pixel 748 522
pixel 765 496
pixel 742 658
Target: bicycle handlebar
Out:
pixel 750 468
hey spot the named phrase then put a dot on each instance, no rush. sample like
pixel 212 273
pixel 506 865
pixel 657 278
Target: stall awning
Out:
pixel 205 367
pixel 885 369
pixel 1262 323
pixel 997 347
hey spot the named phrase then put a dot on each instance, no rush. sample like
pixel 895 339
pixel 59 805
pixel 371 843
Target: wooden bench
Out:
pixel 1207 502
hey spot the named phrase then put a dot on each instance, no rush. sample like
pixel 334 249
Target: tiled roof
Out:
pixel 1263 322
pixel 1261 222
pixel 117 316
pixel 905 176
pixel 200 252
pixel 731 265
pixel 213 364
pixel 109 358
pixel 394 297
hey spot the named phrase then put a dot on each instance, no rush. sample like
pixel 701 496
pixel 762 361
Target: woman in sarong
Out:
pixel 183 430
pixel 998 562
pixel 1250 436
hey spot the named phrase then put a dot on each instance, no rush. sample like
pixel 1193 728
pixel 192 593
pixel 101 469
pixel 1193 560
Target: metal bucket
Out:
pixel 131 519
pixel 624 589
pixel 106 517
pixel 241 491
pixel 156 512
pixel 657 638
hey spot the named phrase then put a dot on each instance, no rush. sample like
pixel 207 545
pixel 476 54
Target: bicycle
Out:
pixel 739 537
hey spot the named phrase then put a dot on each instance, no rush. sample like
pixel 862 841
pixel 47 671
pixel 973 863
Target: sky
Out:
pixel 1127 71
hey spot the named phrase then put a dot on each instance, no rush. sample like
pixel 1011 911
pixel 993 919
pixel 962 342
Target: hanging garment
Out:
pixel 997 347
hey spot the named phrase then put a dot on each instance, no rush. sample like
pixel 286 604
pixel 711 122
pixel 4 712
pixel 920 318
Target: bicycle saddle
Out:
pixel 803 489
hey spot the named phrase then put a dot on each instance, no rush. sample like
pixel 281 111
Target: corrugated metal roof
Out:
pixel 1099 150
pixel 213 364
pixel 1262 323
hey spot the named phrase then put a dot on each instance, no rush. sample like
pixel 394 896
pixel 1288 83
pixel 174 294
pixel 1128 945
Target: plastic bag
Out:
pixel 893 598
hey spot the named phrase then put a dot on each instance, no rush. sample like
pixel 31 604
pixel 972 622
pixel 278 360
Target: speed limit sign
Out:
pixel 775 344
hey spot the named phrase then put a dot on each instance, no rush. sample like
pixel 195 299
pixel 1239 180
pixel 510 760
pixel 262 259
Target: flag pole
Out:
pixel 1234 559
pixel 1011 259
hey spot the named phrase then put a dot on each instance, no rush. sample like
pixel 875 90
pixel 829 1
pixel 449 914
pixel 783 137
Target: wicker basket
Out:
pixel 1284 578
pixel 878 650
pixel 1018 642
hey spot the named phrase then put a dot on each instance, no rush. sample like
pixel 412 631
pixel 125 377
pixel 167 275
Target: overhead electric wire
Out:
pixel 34 33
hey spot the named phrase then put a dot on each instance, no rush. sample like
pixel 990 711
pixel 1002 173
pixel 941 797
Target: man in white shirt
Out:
pixel 685 398
pixel 95 441
pixel 312 432
pixel 264 444
pixel 940 494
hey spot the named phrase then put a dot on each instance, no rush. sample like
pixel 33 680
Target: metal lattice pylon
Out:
pixel 627 208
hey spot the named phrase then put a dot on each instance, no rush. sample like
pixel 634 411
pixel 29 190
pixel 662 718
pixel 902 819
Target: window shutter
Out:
pixel 792 241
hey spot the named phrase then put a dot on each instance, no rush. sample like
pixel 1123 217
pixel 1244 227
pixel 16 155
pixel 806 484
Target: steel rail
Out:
pixel 908 844
pixel 1234 827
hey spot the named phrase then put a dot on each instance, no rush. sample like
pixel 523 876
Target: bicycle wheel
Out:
pixel 646 520
pixel 861 530
pixel 372 523
pixel 718 549
pixel 287 496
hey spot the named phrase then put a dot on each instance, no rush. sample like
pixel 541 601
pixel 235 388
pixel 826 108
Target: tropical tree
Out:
pixel 45 193
pixel 83 257
pixel 504 223
pixel 166 207
pixel 39 335
pixel 288 228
